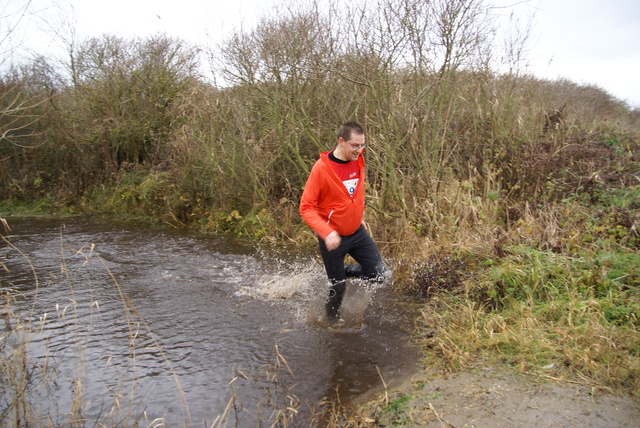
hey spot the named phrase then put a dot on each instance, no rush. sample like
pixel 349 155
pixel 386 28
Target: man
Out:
pixel 332 204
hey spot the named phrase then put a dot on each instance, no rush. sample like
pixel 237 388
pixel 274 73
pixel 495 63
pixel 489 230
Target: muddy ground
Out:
pixel 500 397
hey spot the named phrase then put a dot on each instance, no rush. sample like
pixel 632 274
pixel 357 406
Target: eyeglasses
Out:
pixel 357 146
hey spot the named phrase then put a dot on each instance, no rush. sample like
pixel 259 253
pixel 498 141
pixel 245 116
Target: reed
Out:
pixel 140 133
pixel 31 388
pixel 278 405
pixel 551 301
pixel 506 199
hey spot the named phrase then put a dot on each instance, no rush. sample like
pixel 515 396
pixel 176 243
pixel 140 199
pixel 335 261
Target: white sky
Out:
pixel 587 41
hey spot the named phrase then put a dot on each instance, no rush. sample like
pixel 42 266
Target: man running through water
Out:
pixel 332 205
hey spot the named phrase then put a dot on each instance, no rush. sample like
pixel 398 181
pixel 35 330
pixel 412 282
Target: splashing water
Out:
pixel 304 284
pixel 289 281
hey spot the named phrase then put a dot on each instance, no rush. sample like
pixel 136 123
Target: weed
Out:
pixel 535 307
pixel 27 363
pixel 434 275
pixel 395 411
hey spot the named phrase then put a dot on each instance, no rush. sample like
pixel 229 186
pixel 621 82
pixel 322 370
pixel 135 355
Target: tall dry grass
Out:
pixel 555 295
pixel 137 131
pixel 465 165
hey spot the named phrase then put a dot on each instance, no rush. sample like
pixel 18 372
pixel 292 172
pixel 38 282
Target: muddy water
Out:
pixel 136 323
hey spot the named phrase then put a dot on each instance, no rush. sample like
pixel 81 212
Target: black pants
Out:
pixel 370 266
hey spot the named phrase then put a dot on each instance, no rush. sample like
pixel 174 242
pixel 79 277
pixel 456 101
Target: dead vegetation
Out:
pixel 508 201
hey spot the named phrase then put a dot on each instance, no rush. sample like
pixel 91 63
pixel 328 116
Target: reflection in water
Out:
pixel 170 325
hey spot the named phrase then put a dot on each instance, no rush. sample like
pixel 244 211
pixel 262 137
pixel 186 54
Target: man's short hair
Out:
pixel 348 128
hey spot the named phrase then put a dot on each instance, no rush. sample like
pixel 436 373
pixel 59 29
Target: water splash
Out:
pixel 303 285
pixel 285 281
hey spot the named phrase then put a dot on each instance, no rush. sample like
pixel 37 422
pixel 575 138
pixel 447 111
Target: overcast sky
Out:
pixel 587 41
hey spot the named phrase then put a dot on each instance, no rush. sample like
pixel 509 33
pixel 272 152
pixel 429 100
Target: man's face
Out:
pixel 353 147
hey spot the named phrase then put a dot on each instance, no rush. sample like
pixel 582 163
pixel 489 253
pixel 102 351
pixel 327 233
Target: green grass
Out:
pixel 395 410
pixel 575 315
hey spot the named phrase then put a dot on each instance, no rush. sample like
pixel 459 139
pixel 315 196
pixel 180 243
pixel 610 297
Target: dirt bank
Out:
pixel 499 397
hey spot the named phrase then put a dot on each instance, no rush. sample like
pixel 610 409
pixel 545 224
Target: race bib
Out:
pixel 350 185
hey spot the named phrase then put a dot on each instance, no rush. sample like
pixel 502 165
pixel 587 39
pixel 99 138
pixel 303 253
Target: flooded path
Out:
pixel 136 323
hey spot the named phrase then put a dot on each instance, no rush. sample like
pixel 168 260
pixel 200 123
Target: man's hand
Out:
pixel 332 241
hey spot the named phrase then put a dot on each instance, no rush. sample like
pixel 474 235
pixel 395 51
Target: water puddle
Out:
pixel 123 322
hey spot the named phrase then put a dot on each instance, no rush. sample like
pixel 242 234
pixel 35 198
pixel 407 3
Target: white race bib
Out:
pixel 350 185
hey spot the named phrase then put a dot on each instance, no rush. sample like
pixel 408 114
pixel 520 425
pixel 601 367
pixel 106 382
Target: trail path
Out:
pixel 496 398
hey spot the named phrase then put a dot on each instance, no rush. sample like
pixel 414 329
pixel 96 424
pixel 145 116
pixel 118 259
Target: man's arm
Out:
pixel 309 203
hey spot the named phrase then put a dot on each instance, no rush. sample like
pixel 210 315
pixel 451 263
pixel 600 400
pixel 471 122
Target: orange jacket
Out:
pixel 326 204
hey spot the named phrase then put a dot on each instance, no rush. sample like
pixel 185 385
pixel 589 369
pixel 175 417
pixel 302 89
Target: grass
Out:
pixel 395 411
pixel 555 295
pixel 550 289
pixel 522 241
pixel 568 306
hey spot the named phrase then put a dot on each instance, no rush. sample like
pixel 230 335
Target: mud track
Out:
pixel 499 397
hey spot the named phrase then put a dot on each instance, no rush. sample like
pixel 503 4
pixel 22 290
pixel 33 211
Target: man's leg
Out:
pixel 353 270
pixel 332 306
pixel 370 266
pixel 334 265
pixel 366 253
